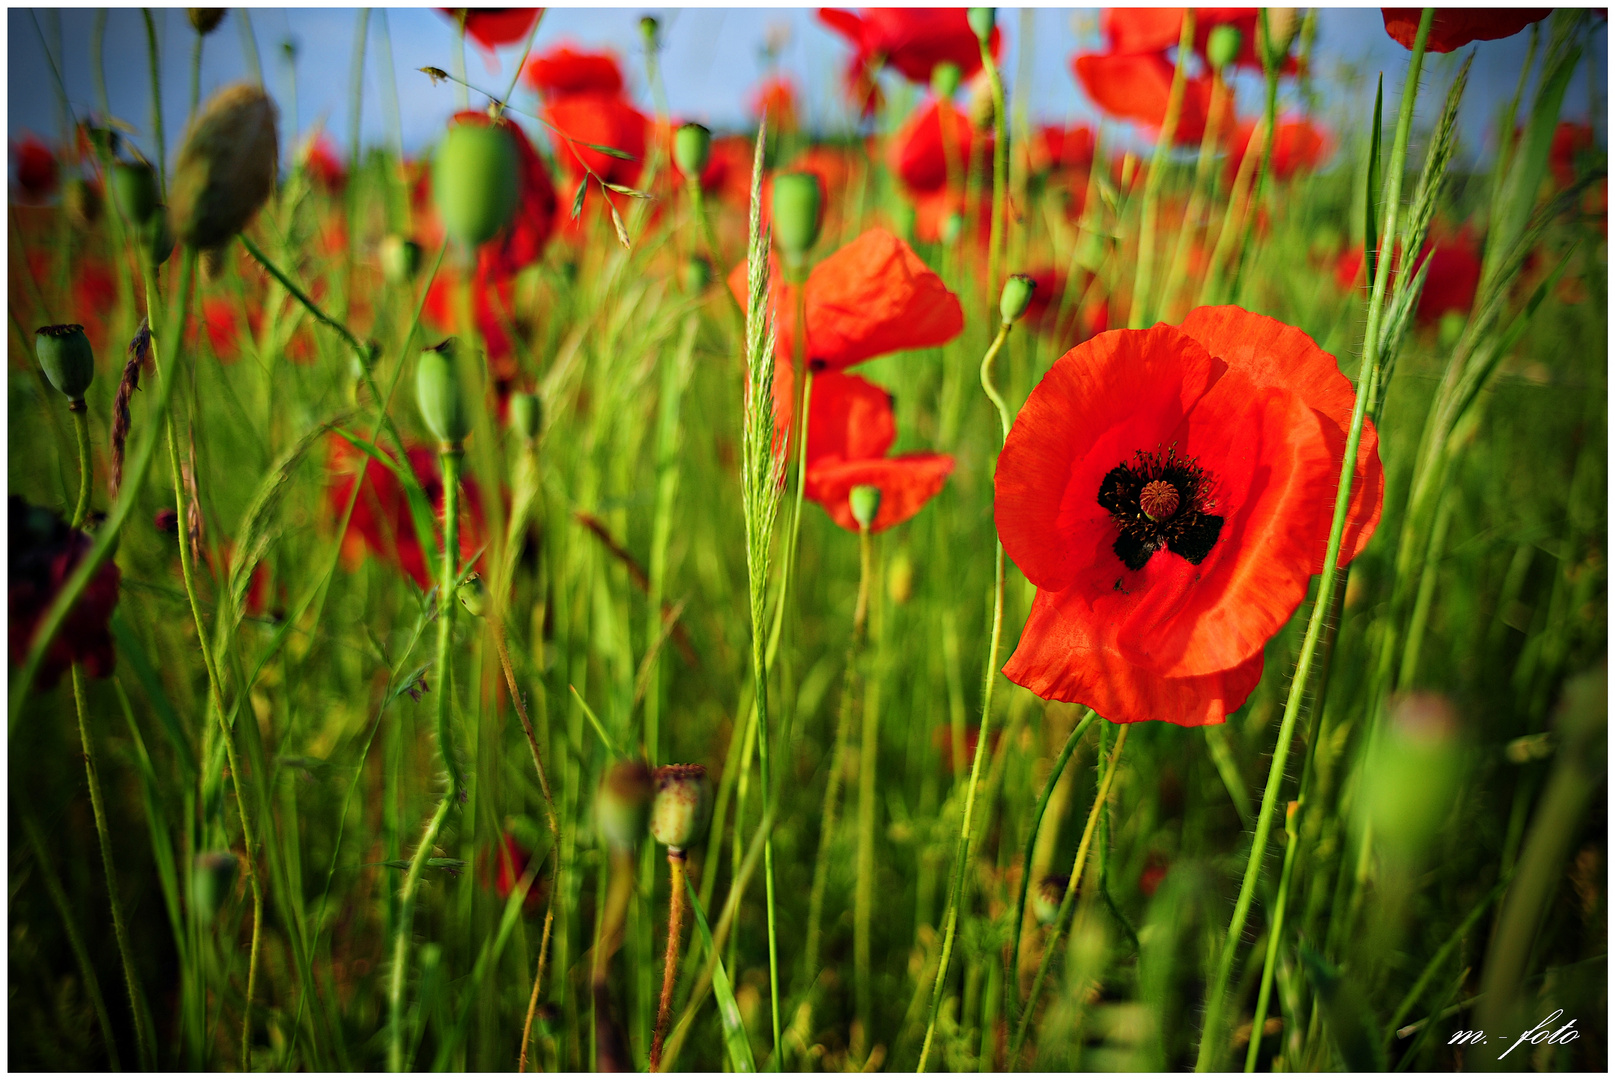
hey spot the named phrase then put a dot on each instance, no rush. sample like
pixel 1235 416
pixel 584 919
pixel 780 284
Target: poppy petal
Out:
pixel 850 418
pixel 906 482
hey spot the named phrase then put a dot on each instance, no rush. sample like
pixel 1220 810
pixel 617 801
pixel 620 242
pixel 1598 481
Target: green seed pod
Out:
pixel 692 149
pixel 865 503
pixel 205 20
pixel 226 169
pixel 213 875
pixel 1222 45
pixel 1016 297
pixel 981 20
pixel 679 813
pixel 945 80
pixel 649 28
pixel 82 201
pixel 439 394
pixel 797 205
pixel 1047 896
pixel 400 259
pixel 159 238
pixel 697 274
pixel 134 189
pixel 66 357
pixel 622 804
pixel 473 595
pixel 526 416
pixel 475 176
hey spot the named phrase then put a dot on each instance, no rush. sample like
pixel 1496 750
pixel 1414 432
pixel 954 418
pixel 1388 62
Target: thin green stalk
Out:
pixel 1212 1035
pixel 995 242
pixel 962 851
pixel 249 46
pixel 196 73
pixel 361 34
pixel 156 103
pixel 1270 123
pixel 1144 276
pixel 864 897
pixel 81 429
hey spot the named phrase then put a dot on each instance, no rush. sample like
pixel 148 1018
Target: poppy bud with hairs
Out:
pixel 865 503
pixel 440 396
pixel 473 595
pixel 226 169
pixel 797 205
pixel 475 180
pixel 622 804
pixel 526 415
pixel 134 188
pixel 1016 297
pixel 692 149
pixel 1046 899
pixel 67 359
pixel 679 812
pixel 400 259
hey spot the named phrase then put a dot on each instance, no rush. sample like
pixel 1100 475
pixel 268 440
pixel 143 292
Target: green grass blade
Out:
pixel 734 1029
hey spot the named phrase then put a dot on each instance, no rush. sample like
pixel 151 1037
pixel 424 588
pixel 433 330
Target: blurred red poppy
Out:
pixel 912 41
pixel 36 168
pixel 223 326
pixel 1062 149
pixel 603 120
pixel 95 293
pixel 564 71
pixel 1169 492
pixel 1137 87
pixel 513 859
pixel 493 27
pixel 775 99
pixel 935 144
pixel 1570 140
pixel 1079 323
pixel 520 243
pixel 1144 30
pixel 43 551
pixel 323 164
pixel 1453 28
pixel 494 307
pixel 1301 146
pixel 1449 286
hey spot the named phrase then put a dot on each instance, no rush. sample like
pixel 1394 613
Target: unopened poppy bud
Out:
pixel 648 29
pixel 67 359
pixel 227 167
pixel 1282 24
pixel 797 202
pixel 473 595
pixel 622 804
pixel 439 395
pixel 981 20
pixel 678 814
pixel 400 259
pixel 952 226
pixel 205 20
pixel 1222 45
pixel 697 275
pixel 1410 773
pixel 1016 297
pixel 213 875
pixel 945 80
pixel 1047 897
pixel 526 415
pixel 865 503
pixel 83 202
pixel 475 177
pixel 134 187
pixel 692 149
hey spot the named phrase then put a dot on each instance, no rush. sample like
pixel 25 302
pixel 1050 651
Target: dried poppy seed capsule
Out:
pixel 864 500
pixel 67 359
pixel 1222 45
pixel 400 259
pixel 623 803
pixel 475 177
pixel 678 815
pixel 473 595
pixel 1047 897
pixel 205 20
pixel 981 20
pixel 212 877
pixel 439 395
pixel 226 169
pixel 134 188
pixel 797 202
pixel 692 149
pixel 526 416
pixel 945 80
pixel 1016 297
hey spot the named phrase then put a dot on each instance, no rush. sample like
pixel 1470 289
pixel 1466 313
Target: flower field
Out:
pixel 962 590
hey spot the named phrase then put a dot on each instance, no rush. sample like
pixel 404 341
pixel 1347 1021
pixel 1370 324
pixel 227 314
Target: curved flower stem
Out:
pixel 1212 1036
pixel 81 430
pixel 1144 275
pixel 1069 900
pixel 1011 992
pixel 962 851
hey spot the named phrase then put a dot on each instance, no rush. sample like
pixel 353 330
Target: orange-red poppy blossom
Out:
pixel 1453 28
pixel 911 41
pixel 1301 146
pixel 603 120
pixel 323 164
pixel 493 27
pixel 1170 492
pixel 937 144
pixel 775 99
pixel 1144 30
pixel 1137 87
pixel 565 71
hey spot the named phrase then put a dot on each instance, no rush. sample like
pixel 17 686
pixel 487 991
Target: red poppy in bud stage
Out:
pixel 565 72
pixel 1170 491
pixel 43 553
pixel 381 521
pixel 1301 146
pixel 850 429
pixel 1453 28
pixel 323 164
pixel 775 98
pixel 912 41
pixel 521 242
pixel 513 858
pixel 1570 140
pixel 1137 87
pixel 493 27
pixel 36 168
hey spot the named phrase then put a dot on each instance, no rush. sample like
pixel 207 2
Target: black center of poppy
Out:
pixel 1159 500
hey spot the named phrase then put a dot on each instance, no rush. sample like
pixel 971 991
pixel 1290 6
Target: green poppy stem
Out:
pixel 81 431
pixel 1144 277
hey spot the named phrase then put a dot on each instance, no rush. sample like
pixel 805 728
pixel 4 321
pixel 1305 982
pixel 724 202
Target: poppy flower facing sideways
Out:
pixel 1137 88
pixel 1170 491
pixel 938 144
pixel 493 27
pixel 1453 28
pixel 912 41
pixel 1570 140
pixel 43 553
pixel 564 72
pixel 512 858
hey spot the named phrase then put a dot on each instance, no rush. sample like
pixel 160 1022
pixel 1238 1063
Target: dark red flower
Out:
pixel 513 859
pixel 1061 149
pixel 564 71
pixel 520 243
pixel 36 168
pixel 775 98
pixel 43 553
pixel 1453 28
pixel 1570 140
pixel 1170 491
pixel 1137 87
pixel 323 164
pixel 1301 146
pixel 1144 30
pixel 493 27
pixel 1453 278
pixel 223 326
pixel 912 41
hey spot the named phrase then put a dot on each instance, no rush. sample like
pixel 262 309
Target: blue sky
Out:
pixel 712 58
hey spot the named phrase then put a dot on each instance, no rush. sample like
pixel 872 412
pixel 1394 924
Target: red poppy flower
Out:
pixel 223 326
pixel 95 291
pixel 513 859
pixel 920 154
pixel 493 27
pixel 494 308
pixel 1570 140
pixel 1453 278
pixel 43 553
pixel 36 168
pixel 520 243
pixel 323 164
pixel 775 99
pixel 1144 30
pixel 564 72
pixel 912 41
pixel 1137 88
pixel 381 522
pixel 1170 491
pixel 1300 146
pixel 603 120
pixel 1061 149
pixel 1453 28
pixel 1048 297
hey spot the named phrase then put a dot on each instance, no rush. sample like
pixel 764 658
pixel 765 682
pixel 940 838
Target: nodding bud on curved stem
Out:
pixel 692 149
pixel 798 203
pixel 1016 297
pixel 864 500
pixel 439 395
pixel 683 800
pixel 67 359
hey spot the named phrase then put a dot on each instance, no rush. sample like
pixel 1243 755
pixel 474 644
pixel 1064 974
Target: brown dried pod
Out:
pixel 205 20
pixel 227 167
